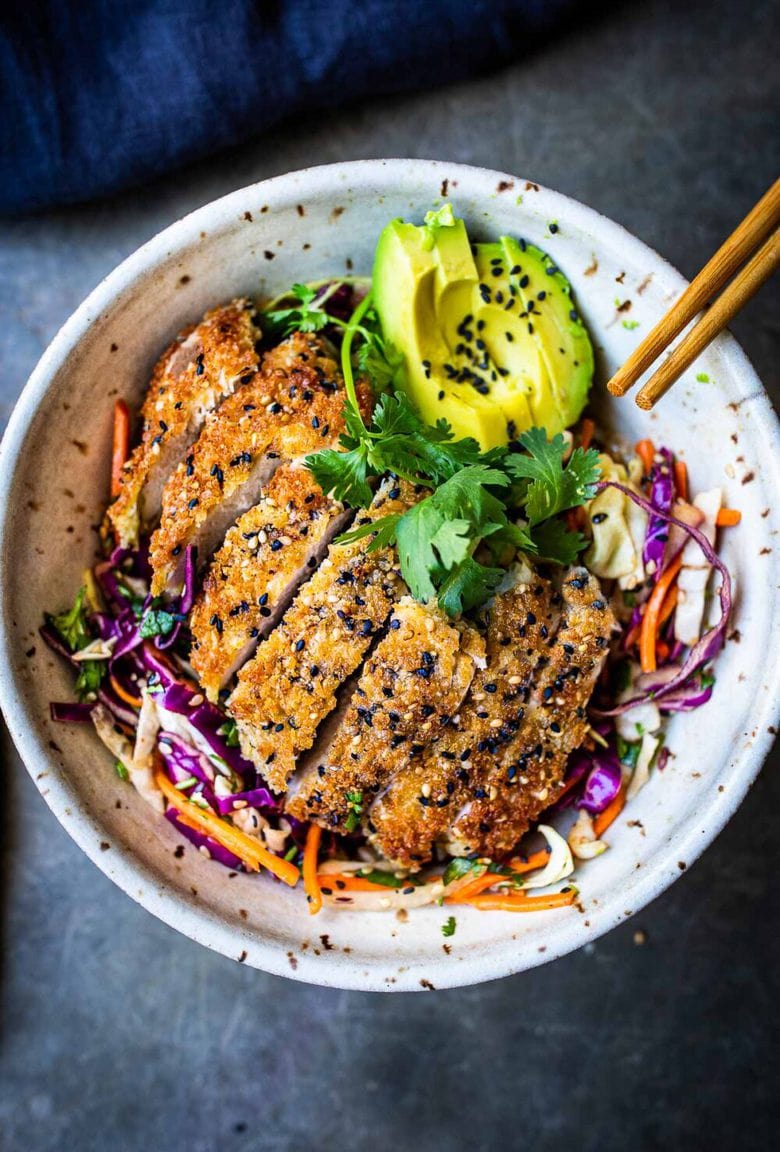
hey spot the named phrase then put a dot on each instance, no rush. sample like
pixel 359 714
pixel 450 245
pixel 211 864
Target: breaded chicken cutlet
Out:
pixel 505 758
pixel 267 553
pixel 291 685
pixel 206 363
pixel 292 406
pixel 410 687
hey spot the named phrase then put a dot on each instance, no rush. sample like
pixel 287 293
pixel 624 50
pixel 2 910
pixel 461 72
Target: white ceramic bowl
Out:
pixel 54 466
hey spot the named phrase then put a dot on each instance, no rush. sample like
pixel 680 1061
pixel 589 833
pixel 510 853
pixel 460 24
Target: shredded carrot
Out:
pixel 587 430
pixel 133 701
pixel 610 814
pixel 662 650
pixel 645 450
pixel 728 517
pixel 633 635
pixel 534 861
pixel 121 445
pixel 681 479
pixel 519 902
pixel 488 879
pixel 250 851
pixel 650 621
pixel 348 882
pixel 310 881
pixel 669 605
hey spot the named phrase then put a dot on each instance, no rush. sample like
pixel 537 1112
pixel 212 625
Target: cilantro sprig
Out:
pixel 73 628
pixel 482 507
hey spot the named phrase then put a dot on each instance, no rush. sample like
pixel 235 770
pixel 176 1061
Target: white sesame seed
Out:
pixel 426 789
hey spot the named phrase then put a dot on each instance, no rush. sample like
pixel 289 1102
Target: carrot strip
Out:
pixel 310 882
pixel 662 650
pixel 610 814
pixel 645 450
pixel 681 479
pixel 633 635
pixel 669 605
pixel 519 902
pixel 347 882
pixel 488 879
pixel 534 861
pixel 587 430
pixel 728 517
pixel 133 701
pixel 249 850
pixel 121 445
pixel 650 622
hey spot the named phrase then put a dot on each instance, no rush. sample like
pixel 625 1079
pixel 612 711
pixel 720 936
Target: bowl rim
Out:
pixel 139 881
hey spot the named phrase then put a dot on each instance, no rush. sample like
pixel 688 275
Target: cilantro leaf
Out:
pixel 555 543
pixel 468 586
pixel 307 315
pixel 459 867
pixel 383 529
pixel 156 622
pixel 72 624
pixel 91 672
pixel 554 486
pixel 342 474
pixel 448 927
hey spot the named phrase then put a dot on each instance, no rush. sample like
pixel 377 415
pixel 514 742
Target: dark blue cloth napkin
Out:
pixel 100 94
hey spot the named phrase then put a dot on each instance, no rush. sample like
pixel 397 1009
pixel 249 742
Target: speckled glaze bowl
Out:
pixel 54 466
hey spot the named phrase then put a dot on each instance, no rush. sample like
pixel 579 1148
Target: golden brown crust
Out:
pixel 419 806
pixel 290 686
pixel 203 365
pixel 517 785
pixel 481 791
pixel 292 406
pixel 252 575
pixel 409 689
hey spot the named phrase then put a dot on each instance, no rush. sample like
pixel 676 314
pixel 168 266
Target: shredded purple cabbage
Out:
pixel 70 712
pixel 602 775
pixel 661 500
pixel 708 646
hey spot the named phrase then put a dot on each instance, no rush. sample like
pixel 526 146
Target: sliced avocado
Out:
pixel 488 334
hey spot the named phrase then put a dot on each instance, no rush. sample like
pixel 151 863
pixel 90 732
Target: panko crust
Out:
pixel 291 685
pixel 202 366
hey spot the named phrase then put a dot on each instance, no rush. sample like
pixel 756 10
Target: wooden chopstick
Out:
pixel 714 320
pixel 754 229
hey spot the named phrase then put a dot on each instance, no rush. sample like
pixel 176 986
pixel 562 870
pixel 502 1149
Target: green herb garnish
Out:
pixel 387 879
pixel 121 771
pixel 460 866
pixel 355 803
pixel 448 928
pixel 91 672
pixel 72 624
pixel 156 622
pixel 229 730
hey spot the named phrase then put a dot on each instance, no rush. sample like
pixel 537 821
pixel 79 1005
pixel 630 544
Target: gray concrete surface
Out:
pixel 118 1034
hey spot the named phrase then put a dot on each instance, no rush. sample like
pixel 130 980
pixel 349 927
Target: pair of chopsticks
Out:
pixel 759 230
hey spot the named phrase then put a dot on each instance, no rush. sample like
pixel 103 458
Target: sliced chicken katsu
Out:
pixel 518 781
pixel 201 367
pixel 291 685
pixel 292 406
pixel 255 573
pixel 409 689
pixel 505 762
pixel 416 810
